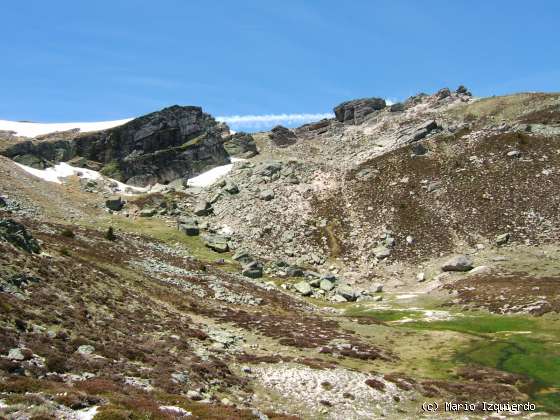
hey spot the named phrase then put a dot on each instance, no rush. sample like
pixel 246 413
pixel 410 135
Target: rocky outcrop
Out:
pixel 282 136
pixel 159 147
pixel 17 234
pixel 241 145
pixel 354 112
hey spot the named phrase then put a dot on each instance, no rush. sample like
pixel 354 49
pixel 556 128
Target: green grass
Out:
pixel 159 230
pixel 382 315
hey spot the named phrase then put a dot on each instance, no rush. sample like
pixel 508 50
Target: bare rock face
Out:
pixel 353 112
pixel 159 147
pixel 282 136
pixel 241 145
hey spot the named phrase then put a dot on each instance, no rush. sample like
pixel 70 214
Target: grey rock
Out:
pixel 202 208
pixel 253 270
pixel 294 271
pixel 282 136
pixel 418 149
pixel 347 293
pixel 458 263
pixel 194 395
pixel 339 299
pixel 180 377
pixel 3 202
pixel 242 256
pixel 421 277
pixel 147 212
pixel 462 90
pixel 266 195
pixel 268 168
pixel 378 288
pixel 17 234
pixel 19 354
pixel 329 276
pixel 231 187
pixel 216 242
pixel 85 350
pixel 514 153
pixel 503 239
pixel 398 107
pixel 326 285
pixel 303 288
pixel 114 203
pixel 190 229
pixel 381 252
pixel 315 282
pixel 241 144
pixel 443 93
pixel 356 110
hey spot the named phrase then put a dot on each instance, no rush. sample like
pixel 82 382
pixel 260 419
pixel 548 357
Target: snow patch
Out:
pixel 63 170
pixel 31 129
pixel 87 413
pixel 207 178
pixel 176 410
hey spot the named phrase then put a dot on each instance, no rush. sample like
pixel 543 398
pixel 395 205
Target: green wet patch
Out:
pixel 515 344
pixel 382 315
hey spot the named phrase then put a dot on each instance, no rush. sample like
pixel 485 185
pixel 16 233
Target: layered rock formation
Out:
pixel 159 147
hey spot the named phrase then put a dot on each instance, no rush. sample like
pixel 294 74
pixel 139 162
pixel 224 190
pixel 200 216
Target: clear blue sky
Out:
pixel 97 60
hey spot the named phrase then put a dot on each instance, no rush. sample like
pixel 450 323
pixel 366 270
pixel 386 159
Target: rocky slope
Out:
pixel 351 268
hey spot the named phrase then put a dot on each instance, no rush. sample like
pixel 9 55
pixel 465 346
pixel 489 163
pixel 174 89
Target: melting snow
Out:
pixel 209 177
pixel 63 170
pixel 87 414
pixel 31 129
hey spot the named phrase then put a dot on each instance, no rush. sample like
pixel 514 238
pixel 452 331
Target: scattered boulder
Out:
pixel 382 252
pixel 147 212
pixel 422 130
pixel 503 239
pixel 326 285
pixel 3 202
pixel 266 195
pixel 347 293
pixel 85 350
pixel 242 256
pixel 303 288
pixel 20 354
pixel 378 288
pixel 418 149
pixel 462 90
pixel 458 263
pixel 398 107
pixel 253 270
pixel 189 226
pixel 514 154
pixel 294 271
pixel 231 187
pixel 202 208
pixel 114 203
pixel 17 234
pixel 443 93
pixel 282 136
pixel 421 277
pixel 354 112
pixel 218 243
pixel 268 168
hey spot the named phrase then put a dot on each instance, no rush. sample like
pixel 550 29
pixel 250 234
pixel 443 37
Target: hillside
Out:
pixel 351 268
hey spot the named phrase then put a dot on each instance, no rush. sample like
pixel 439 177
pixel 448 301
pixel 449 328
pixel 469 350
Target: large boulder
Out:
pixel 218 243
pixel 282 136
pixel 458 263
pixel 114 203
pixel 241 145
pixel 202 208
pixel 354 112
pixel 189 226
pixel 347 293
pixel 253 270
pixel 303 288
pixel 17 234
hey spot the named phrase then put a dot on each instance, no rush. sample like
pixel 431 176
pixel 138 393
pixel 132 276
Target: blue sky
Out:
pixel 98 60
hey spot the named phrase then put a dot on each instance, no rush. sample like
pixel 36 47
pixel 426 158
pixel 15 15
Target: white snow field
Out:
pixel 31 129
pixel 63 170
pixel 207 178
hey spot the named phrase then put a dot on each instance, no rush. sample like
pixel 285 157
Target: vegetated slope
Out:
pixel 150 321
